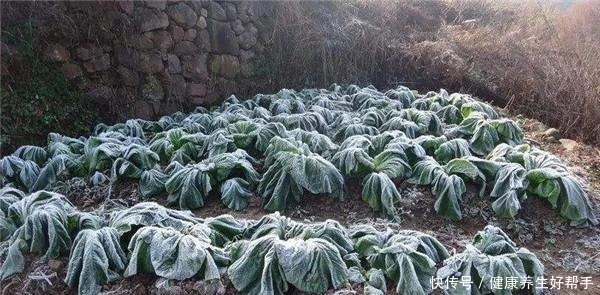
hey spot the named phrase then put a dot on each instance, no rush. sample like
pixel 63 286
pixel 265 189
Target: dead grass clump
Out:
pixel 536 59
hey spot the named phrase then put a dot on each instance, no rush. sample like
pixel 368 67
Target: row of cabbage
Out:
pixel 267 256
pixel 313 141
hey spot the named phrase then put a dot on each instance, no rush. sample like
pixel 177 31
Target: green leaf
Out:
pixel 267 265
pixel 485 138
pixel 152 183
pixel 173 255
pixel 380 193
pixel 235 193
pixel 31 153
pixel 449 190
pixel 452 149
pixel 95 259
pixel 392 162
pixel 189 187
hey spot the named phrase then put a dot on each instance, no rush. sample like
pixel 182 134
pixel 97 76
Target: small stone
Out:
pixel 177 33
pixel 222 38
pixel 203 40
pixel 201 24
pixel 160 5
pixel 174 64
pixel 162 39
pixel 83 53
pixel 56 265
pixel 230 10
pixel 182 14
pixel 150 63
pixel 185 48
pixel 227 66
pixel 144 41
pixel 247 40
pixel 128 77
pixel 126 6
pixel 143 109
pixel 237 27
pixel 194 67
pixel 216 11
pixel 247 70
pixel 214 287
pixel 177 87
pixel 190 35
pixel 552 132
pixel 57 52
pixel 244 18
pixel 71 70
pixel 97 64
pixel 150 19
pixel 568 144
pixel 196 89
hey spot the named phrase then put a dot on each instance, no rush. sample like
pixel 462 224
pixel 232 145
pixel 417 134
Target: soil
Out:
pixel 564 250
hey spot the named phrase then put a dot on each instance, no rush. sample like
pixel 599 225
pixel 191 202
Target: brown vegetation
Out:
pixel 535 58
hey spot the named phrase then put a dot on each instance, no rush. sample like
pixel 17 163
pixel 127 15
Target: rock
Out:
pixel 203 40
pixel 71 70
pixel 182 14
pixel 216 11
pixel 128 77
pixel 177 33
pixel 150 19
pixel 85 52
pixel 144 41
pixel 222 38
pixel 244 18
pixel 237 27
pixel 194 67
pixel 56 265
pixel 160 5
pixel 201 23
pixel 162 39
pixel 196 89
pixel 345 292
pixel 230 10
pixel 177 87
pixel 57 52
pixel 152 89
pixel 224 88
pixel 214 287
pixel 552 132
pixel 126 6
pixel 126 56
pixel 150 63
pixel 227 66
pixel 246 56
pixel 185 48
pixel 247 70
pixel 568 144
pixel 97 64
pixel 190 35
pixel 101 95
pixel 247 40
pixel 174 64
pixel 143 109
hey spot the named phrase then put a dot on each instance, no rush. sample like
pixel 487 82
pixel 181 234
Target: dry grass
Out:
pixel 534 58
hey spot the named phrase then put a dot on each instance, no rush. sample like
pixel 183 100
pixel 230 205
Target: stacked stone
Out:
pixel 165 55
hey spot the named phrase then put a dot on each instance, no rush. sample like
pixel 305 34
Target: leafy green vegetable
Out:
pixel 174 255
pixel 96 258
pixel 267 265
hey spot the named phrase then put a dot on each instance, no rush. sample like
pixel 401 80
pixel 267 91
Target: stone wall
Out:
pixel 148 58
